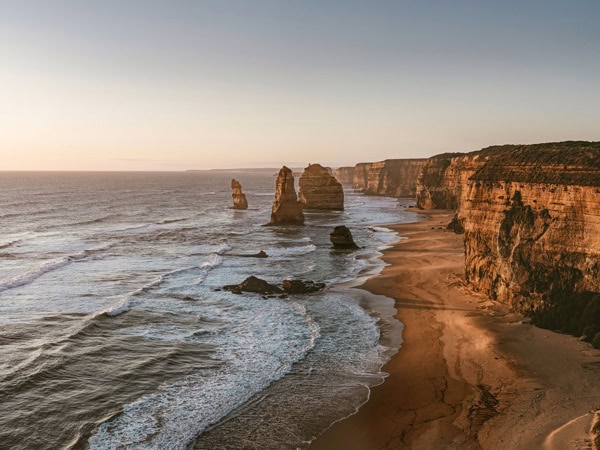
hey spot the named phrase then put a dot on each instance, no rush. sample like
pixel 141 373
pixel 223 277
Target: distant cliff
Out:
pixel 531 219
pixel 392 177
pixel 345 175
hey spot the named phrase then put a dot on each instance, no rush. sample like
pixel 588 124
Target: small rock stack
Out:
pixel 239 198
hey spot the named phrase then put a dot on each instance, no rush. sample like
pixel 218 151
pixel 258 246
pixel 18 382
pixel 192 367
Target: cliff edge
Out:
pixel 531 219
pixel 392 177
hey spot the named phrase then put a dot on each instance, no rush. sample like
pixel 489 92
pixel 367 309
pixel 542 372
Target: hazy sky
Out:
pixel 178 84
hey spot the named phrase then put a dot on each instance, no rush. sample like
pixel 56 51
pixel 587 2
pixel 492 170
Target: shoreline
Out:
pixel 470 373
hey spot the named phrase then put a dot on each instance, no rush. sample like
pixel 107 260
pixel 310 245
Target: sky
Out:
pixel 200 84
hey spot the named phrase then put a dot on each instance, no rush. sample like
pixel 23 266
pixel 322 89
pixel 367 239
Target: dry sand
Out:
pixel 470 374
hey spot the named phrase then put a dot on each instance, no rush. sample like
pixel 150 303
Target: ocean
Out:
pixel 115 333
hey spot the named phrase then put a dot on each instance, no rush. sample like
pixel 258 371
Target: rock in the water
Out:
pixel 239 198
pixel 301 286
pixel 341 237
pixel 286 208
pixel 253 284
pixel 261 254
pixel 320 190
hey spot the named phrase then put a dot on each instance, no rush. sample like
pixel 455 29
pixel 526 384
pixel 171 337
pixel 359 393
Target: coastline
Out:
pixel 470 373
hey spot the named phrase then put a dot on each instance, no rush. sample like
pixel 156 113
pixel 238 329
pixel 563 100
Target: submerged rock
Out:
pixel 286 208
pixel 255 285
pixel 341 237
pixel 301 286
pixel 239 198
pixel 320 190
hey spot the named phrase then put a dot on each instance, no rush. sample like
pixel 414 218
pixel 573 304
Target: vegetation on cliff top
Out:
pixel 570 162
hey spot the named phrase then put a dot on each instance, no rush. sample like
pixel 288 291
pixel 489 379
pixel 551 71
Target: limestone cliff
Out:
pixel 319 189
pixel 531 218
pixel 360 180
pixel 286 208
pixel 239 198
pixel 345 175
pixel 392 177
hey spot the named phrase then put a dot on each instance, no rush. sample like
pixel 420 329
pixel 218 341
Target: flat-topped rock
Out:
pixel 319 189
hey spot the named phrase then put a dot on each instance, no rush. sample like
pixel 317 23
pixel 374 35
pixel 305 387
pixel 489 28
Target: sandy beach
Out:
pixel 470 373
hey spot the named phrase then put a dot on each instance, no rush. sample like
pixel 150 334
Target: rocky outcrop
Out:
pixel 392 177
pixel 345 175
pixel 531 218
pixel 286 208
pixel 239 198
pixel 320 190
pixel 341 237
pixel 254 285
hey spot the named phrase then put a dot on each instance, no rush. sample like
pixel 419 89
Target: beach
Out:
pixel 470 373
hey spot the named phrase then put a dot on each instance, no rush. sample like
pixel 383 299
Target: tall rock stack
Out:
pixel 320 190
pixel 286 208
pixel 239 198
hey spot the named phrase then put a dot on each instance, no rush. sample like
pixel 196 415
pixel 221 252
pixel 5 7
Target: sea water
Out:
pixel 115 333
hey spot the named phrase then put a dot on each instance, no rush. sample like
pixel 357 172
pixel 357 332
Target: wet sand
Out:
pixel 470 373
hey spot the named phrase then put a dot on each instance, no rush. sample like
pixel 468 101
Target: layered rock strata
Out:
pixel 392 177
pixel 345 175
pixel 531 219
pixel 239 198
pixel 320 190
pixel 286 208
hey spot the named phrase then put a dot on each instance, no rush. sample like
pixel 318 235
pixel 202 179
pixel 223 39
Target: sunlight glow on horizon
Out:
pixel 198 85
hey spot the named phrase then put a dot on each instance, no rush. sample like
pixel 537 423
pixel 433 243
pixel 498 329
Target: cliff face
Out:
pixel 345 175
pixel 440 182
pixel 320 190
pixel 239 198
pixel 531 218
pixel 360 178
pixel 392 177
pixel 286 208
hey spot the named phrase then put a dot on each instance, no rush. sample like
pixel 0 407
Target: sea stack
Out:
pixel 286 208
pixel 320 190
pixel 239 198
pixel 341 237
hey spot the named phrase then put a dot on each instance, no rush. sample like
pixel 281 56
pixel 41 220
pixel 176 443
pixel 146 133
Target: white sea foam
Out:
pixel 291 251
pixel 274 337
pixel 214 261
pixel 207 249
pixel 31 275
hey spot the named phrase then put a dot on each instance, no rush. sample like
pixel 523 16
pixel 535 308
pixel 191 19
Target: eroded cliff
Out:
pixel 345 175
pixel 531 219
pixel 392 177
